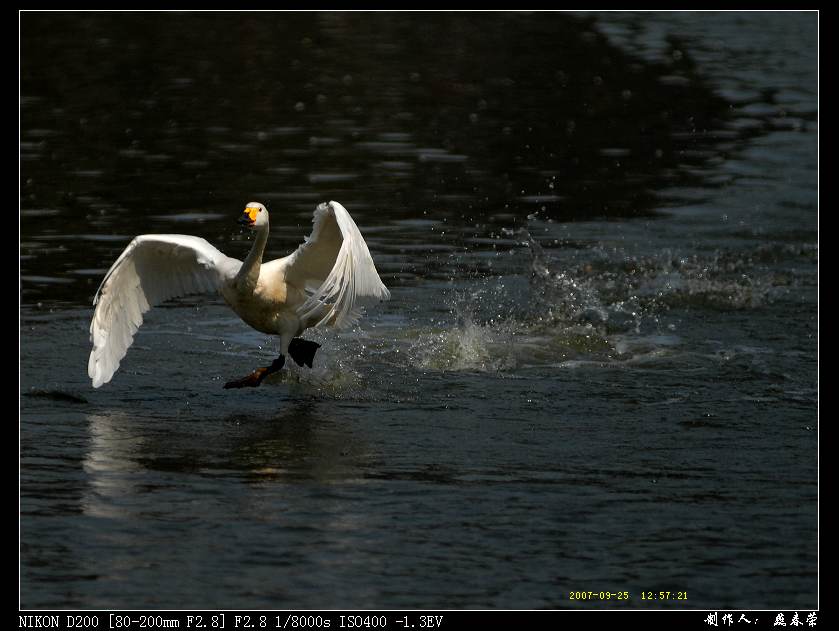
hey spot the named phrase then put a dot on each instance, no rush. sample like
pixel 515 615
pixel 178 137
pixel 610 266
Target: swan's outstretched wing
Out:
pixel 335 268
pixel 153 268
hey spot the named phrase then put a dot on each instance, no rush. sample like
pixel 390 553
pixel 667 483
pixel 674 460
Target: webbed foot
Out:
pixel 303 351
pixel 254 379
pixel 251 381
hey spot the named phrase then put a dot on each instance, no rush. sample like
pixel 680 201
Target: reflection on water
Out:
pixel 292 445
pixel 599 365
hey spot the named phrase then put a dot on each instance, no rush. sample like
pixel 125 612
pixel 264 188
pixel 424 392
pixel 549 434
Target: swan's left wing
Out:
pixel 335 269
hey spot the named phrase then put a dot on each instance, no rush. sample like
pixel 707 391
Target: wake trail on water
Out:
pixel 594 307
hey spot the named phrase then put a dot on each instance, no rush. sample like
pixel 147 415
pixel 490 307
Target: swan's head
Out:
pixel 254 215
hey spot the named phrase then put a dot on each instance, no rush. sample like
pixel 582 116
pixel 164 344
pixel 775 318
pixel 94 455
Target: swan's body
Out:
pixel 322 283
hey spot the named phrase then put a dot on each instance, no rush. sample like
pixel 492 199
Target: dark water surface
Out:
pixel 598 370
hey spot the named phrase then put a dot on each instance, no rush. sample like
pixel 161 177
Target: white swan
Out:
pixel 325 282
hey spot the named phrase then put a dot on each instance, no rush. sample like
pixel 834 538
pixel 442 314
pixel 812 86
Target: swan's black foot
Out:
pixel 303 351
pixel 257 376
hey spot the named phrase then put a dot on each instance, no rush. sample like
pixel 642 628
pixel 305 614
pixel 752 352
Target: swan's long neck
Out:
pixel 249 272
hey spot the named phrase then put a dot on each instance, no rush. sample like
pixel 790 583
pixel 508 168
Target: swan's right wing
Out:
pixel 152 269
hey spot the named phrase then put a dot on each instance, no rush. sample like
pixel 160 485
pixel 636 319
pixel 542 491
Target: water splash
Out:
pixel 562 309
pixel 467 346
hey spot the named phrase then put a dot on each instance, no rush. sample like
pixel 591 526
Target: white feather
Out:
pixel 153 268
pixel 336 269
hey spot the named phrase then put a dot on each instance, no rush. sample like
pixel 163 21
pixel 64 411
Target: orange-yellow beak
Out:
pixel 248 217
